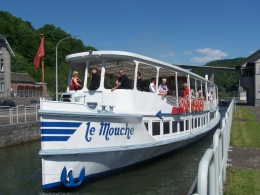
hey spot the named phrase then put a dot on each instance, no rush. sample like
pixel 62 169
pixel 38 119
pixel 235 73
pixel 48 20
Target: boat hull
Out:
pixel 97 162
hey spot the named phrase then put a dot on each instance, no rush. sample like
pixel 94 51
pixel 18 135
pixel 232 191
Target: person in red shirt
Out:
pixel 75 82
pixel 186 90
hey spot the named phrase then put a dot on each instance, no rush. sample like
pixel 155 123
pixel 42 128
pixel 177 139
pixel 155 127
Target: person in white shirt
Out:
pixel 152 86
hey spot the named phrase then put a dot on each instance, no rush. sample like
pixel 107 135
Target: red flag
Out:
pixel 40 53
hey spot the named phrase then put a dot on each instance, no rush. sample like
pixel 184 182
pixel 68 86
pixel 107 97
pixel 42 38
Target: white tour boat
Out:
pixel 92 132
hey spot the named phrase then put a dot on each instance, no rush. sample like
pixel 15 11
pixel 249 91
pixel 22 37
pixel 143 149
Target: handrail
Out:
pixel 18 111
pixel 212 167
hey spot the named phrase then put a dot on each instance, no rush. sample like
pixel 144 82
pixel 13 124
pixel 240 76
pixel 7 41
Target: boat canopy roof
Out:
pixel 120 59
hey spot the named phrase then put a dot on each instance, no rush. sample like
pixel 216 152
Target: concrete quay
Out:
pixel 19 133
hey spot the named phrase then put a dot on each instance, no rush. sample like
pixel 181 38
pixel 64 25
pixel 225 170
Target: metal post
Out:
pixel 57 63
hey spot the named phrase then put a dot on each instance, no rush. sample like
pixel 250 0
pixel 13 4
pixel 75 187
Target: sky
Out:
pixel 191 32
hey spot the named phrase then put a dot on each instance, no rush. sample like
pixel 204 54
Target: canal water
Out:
pixel 20 168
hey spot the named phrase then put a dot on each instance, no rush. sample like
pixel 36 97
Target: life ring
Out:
pixel 181 106
pixel 193 105
pixel 186 105
pixel 201 105
pixel 181 102
pixel 196 105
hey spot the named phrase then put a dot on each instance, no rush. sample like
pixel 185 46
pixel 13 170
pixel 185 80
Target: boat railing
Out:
pixel 212 167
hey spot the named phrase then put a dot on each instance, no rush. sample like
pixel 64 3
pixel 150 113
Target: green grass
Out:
pixel 242 182
pixel 245 133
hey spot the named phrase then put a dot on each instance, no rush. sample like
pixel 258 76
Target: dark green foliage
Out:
pixel 25 41
pixel 226 81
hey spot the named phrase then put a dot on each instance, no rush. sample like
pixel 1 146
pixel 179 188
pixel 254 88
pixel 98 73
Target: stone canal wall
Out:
pixel 19 133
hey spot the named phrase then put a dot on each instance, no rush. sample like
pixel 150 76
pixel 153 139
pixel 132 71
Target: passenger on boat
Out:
pixel 122 82
pixel 140 83
pixel 75 82
pixel 152 86
pixel 210 96
pixel 186 90
pixel 200 95
pixel 192 93
pixel 163 89
pixel 95 81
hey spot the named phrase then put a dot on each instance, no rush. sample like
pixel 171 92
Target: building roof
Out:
pixel 7 45
pixel 21 77
pixel 250 59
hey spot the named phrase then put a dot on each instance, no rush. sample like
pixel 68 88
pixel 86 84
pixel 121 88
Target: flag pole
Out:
pixel 42 60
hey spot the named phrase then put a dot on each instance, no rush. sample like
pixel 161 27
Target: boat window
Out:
pixel 170 80
pixel 147 74
pixel 146 125
pixel 156 128
pixel 211 116
pixel 181 125
pixel 112 72
pixel 196 123
pixel 166 127
pixel 202 121
pixel 192 123
pixel 174 126
pixel 187 124
pixel 199 122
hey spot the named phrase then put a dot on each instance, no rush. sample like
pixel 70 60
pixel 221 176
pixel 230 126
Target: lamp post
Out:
pixel 57 63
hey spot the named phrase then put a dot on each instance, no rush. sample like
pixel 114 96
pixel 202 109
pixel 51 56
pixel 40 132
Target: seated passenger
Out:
pixel 75 82
pixel 122 82
pixel 192 93
pixel 210 96
pixel 95 80
pixel 152 86
pixel 140 83
pixel 163 89
pixel 200 95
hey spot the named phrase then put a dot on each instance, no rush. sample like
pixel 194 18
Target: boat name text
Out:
pixel 106 130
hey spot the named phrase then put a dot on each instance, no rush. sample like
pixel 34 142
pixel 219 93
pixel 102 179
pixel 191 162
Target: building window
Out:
pixel 2 65
pixel 2 84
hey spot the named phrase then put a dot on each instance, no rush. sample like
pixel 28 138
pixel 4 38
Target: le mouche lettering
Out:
pixel 107 130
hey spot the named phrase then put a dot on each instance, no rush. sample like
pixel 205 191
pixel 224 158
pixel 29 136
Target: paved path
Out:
pixel 255 110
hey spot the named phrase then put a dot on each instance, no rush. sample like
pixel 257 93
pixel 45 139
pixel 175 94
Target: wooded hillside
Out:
pixel 226 81
pixel 25 40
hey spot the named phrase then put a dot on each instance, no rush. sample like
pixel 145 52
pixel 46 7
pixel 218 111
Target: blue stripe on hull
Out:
pixel 58 131
pixel 54 138
pixel 60 124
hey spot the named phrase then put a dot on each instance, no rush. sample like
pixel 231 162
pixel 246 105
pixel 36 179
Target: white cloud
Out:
pixel 209 55
pixel 167 55
pixel 106 44
pixel 251 52
pixel 187 52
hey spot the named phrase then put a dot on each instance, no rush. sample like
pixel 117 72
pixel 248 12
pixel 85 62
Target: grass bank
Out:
pixel 245 128
pixel 245 132
pixel 241 182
